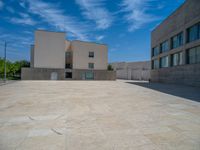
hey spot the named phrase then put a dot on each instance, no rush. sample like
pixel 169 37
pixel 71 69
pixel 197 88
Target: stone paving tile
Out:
pixel 98 115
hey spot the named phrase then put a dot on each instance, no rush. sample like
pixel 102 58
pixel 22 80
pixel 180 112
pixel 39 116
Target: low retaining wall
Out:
pixel 59 74
pixel 98 74
pixel 186 74
pixel 132 70
pixel 42 74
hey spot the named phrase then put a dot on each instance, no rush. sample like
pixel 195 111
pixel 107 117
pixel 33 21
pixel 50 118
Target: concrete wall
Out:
pixel 81 51
pixel 98 74
pixel 49 51
pixel 184 17
pixel 132 70
pixel 41 73
pixel 32 56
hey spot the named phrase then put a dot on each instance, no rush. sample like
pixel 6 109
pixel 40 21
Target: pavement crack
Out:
pixel 56 131
pixel 30 118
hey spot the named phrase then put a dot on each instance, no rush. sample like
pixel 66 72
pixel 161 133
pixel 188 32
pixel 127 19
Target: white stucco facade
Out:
pixel 81 57
pixel 49 50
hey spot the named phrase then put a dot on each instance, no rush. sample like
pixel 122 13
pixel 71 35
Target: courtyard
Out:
pixel 98 115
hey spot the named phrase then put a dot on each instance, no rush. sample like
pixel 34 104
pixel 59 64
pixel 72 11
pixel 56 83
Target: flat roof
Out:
pixel 50 31
pixel 89 42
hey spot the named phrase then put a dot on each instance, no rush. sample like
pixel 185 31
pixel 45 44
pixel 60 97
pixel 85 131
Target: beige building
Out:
pixel 53 57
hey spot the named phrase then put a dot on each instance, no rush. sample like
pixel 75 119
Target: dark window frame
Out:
pixel 91 54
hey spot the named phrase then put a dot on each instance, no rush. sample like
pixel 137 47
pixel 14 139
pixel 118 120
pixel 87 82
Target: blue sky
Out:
pixel 124 25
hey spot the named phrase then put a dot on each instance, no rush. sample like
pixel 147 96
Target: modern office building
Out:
pixel 55 58
pixel 175 46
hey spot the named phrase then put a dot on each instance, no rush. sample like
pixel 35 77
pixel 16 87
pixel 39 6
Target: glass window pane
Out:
pixel 91 65
pixel 193 33
pixel 164 61
pixel 89 75
pixel 164 46
pixel 155 51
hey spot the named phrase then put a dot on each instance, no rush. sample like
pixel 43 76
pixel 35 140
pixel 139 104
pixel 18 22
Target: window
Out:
pixel 164 46
pixel 89 75
pixel 68 66
pixel 155 64
pixel 177 59
pixel 68 54
pixel 91 54
pixel 193 33
pixel 155 51
pixel 193 55
pixel 164 61
pixel 91 65
pixel 177 40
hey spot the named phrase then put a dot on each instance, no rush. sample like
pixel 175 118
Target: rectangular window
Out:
pixel 177 59
pixel 177 40
pixel 155 51
pixel 91 65
pixel 164 46
pixel 164 61
pixel 155 64
pixel 91 54
pixel 193 33
pixel 193 55
pixel 89 75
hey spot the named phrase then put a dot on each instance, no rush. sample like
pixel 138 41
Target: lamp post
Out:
pixel 5 62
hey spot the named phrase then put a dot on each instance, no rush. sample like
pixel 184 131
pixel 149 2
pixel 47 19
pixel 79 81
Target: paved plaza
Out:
pixel 98 115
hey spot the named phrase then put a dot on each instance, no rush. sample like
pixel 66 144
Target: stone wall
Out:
pixel 41 74
pixel 98 74
pixel 186 74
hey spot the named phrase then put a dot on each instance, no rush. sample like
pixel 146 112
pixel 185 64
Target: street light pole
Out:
pixel 5 62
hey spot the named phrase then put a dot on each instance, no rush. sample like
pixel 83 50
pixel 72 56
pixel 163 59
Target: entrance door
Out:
pixel 54 76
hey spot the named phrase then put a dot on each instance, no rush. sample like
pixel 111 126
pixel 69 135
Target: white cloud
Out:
pixel 100 37
pixel 25 19
pixel 137 13
pixel 94 10
pixel 56 17
pixel 1 4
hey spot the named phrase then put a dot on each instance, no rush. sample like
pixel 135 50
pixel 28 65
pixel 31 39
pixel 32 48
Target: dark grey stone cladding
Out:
pixel 184 17
pixel 98 74
pixel 185 74
pixel 41 73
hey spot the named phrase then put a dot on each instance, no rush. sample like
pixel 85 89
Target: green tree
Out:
pixel 13 69
pixel 110 68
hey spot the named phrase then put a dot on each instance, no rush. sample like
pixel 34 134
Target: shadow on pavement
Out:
pixel 188 92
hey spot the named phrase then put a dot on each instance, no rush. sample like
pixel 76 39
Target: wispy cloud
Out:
pixel 137 13
pixel 1 4
pixel 100 37
pixel 95 10
pixel 55 16
pixel 24 19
